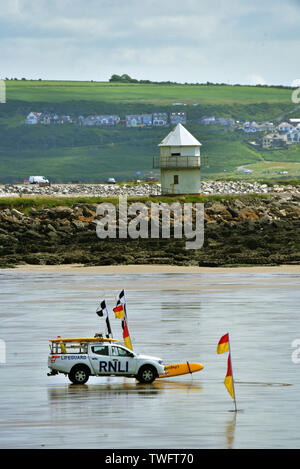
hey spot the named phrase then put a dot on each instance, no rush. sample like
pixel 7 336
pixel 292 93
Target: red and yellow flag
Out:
pixel 223 345
pixel 119 311
pixel 126 336
pixel 228 381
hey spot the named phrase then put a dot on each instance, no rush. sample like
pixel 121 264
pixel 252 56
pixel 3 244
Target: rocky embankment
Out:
pixel 110 190
pixel 241 230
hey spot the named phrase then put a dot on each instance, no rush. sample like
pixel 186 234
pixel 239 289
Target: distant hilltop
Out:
pixel 125 78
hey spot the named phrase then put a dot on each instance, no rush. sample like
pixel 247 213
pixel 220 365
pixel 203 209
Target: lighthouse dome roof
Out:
pixel 179 137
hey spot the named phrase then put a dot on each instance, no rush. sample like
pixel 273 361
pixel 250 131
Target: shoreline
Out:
pixel 150 269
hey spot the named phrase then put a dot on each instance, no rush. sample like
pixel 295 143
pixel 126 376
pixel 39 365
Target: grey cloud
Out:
pixel 167 39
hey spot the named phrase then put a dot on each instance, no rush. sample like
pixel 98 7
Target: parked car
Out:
pixel 38 180
pixel 111 181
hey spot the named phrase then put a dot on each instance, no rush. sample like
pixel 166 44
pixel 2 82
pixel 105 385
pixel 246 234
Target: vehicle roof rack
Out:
pixel 82 339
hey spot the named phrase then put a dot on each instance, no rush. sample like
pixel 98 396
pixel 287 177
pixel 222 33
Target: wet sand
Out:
pixel 160 269
pixel 178 315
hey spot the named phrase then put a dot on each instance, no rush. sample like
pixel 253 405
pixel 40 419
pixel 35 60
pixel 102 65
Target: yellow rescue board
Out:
pixel 181 369
pixel 84 339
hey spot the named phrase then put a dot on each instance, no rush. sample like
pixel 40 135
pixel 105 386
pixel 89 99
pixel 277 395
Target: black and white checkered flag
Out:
pixel 122 297
pixel 103 313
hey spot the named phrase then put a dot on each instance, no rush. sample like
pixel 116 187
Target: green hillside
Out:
pixel 59 91
pixel 68 152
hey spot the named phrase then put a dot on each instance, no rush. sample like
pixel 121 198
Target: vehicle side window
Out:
pixel 121 352
pixel 100 349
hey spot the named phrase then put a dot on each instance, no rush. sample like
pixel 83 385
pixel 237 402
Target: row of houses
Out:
pixel 212 120
pixel 283 127
pixel 275 136
pixel 253 127
pixel 246 127
pixel 250 127
pixel 95 120
pixel 157 119
pixel 286 133
pixel 276 139
pixel 47 118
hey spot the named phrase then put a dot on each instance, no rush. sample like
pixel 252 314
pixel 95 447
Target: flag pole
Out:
pixel 108 326
pixel 235 408
pixel 126 317
pixel 125 309
pixel 125 320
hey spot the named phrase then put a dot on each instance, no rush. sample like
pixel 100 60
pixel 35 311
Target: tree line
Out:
pixel 125 78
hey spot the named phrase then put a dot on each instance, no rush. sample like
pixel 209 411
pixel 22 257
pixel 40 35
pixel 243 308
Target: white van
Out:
pixel 38 180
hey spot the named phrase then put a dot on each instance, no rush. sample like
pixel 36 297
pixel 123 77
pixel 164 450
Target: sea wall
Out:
pixel 244 230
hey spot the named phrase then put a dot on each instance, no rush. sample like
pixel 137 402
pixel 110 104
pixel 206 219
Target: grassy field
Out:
pixel 54 92
pixel 27 202
pixel 86 163
pixel 264 170
pixel 66 153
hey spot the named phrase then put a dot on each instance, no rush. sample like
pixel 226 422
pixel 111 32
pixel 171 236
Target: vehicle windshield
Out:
pixel 120 352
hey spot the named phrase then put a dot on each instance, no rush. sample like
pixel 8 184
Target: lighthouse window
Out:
pixel 176 179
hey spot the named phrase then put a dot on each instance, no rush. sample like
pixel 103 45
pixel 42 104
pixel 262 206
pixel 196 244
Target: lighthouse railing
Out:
pixel 176 162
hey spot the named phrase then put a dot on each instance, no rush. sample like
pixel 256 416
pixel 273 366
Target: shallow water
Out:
pixel 176 317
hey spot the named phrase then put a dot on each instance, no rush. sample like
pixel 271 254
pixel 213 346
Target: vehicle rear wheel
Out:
pixel 79 374
pixel 146 374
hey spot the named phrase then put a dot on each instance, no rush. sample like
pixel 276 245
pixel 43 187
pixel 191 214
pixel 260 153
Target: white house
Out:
pixel 160 119
pixel 179 162
pixel 251 127
pixel 293 136
pixel 33 118
pixel 285 127
pixel 274 140
pixel 178 118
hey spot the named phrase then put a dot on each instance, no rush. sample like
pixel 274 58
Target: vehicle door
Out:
pixel 99 359
pixel 124 361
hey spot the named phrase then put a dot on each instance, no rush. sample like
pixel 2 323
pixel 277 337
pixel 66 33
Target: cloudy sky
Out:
pixel 231 41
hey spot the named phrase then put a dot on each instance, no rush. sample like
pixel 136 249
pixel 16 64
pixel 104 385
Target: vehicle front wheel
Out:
pixel 79 374
pixel 146 374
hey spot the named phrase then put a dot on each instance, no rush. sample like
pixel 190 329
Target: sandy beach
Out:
pixel 142 269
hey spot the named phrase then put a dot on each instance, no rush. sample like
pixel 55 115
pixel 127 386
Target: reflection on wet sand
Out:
pixel 230 429
pixel 95 391
pixel 115 390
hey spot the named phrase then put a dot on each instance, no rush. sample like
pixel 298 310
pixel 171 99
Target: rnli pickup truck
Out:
pixel 81 358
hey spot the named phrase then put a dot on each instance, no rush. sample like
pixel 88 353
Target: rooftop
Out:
pixel 179 137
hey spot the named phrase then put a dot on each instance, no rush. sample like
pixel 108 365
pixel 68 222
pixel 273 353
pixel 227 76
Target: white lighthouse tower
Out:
pixel 179 162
